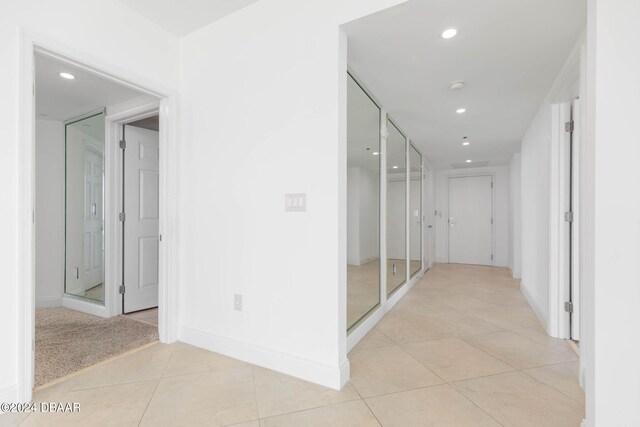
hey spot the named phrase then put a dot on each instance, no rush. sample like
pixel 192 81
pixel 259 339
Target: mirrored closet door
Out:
pixel 415 210
pixel 396 208
pixel 84 207
pixel 363 204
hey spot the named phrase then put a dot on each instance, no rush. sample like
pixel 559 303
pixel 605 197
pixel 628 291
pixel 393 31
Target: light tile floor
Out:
pixel 461 349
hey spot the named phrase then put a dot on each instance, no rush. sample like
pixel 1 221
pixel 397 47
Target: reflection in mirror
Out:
pixel 415 209
pixel 396 208
pixel 84 208
pixel 363 204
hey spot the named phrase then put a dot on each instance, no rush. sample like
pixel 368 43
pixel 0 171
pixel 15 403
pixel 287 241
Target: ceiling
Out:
pixel 508 53
pixel 184 16
pixel 62 99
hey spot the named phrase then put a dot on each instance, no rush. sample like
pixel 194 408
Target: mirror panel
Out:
pixel 363 204
pixel 84 208
pixel 415 211
pixel 396 208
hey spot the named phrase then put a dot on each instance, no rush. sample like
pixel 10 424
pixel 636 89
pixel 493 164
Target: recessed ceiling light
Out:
pixel 461 110
pixel 449 33
pixel 457 85
pixel 67 76
pixel 466 143
pixel 375 153
pixel 468 161
pixel 395 167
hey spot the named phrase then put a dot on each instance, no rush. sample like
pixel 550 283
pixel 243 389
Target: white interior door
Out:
pixel 575 224
pixel 470 228
pixel 141 206
pixel 93 215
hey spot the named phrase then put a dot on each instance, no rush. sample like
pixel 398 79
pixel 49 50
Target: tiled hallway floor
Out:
pixel 463 348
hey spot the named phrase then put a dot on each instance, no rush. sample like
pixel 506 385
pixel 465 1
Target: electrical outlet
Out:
pixel 237 302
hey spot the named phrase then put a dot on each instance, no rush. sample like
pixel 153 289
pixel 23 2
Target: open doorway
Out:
pixel 76 219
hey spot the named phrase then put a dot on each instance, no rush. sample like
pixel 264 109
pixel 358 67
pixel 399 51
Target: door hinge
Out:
pixel 121 289
pixel 568 216
pixel 122 216
pixel 568 307
pixel 568 126
pixel 123 144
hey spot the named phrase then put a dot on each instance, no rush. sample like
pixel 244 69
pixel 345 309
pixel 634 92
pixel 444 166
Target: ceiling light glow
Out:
pixel 449 33
pixel 466 143
pixel 375 153
pixel 395 167
pixel 468 161
pixel 67 76
pixel 461 110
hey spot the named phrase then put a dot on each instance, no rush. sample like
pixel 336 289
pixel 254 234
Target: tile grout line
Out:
pixel 156 387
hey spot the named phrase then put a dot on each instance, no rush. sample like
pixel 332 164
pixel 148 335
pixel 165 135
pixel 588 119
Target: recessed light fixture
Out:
pixel 67 76
pixel 375 153
pixel 466 143
pixel 395 167
pixel 457 85
pixel 449 33
pixel 461 110
pixel 468 161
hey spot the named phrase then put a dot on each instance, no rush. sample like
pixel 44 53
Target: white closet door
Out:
pixel 141 205
pixel 470 228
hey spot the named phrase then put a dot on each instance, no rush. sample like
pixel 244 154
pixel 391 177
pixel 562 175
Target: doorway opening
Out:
pixel 76 173
pixel 471 220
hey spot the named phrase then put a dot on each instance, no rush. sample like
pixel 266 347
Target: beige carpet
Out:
pixel 68 340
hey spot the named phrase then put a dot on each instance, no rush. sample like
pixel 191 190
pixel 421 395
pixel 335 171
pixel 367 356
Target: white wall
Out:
pixel 500 210
pixel 273 124
pixel 49 213
pixel 363 212
pixel 536 189
pixel 515 240
pixel 611 345
pixel 113 35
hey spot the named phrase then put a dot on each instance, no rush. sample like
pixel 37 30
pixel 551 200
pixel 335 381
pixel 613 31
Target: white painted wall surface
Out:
pixel 515 240
pixel 500 210
pixel 613 299
pixel 535 170
pixel 363 212
pixel 49 213
pixel 110 33
pixel 272 126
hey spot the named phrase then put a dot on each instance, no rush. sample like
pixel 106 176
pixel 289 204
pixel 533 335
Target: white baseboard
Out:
pixel 9 395
pixel 48 302
pixel 542 316
pixel 334 377
pixel 84 306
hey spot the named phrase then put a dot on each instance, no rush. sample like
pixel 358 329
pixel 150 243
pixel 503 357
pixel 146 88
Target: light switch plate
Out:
pixel 295 202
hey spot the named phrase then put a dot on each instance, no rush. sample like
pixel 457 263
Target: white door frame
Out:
pixel 31 43
pixel 564 248
pixel 493 228
pixel 113 125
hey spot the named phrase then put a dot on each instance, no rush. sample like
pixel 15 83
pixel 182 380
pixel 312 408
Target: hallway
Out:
pixel 461 348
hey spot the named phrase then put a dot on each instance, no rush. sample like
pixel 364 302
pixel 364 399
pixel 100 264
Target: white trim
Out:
pixel 558 322
pixel 169 261
pixel 84 305
pixel 8 394
pixel 542 317
pixel 309 370
pixel 113 186
pixel 493 209
pixel 48 302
